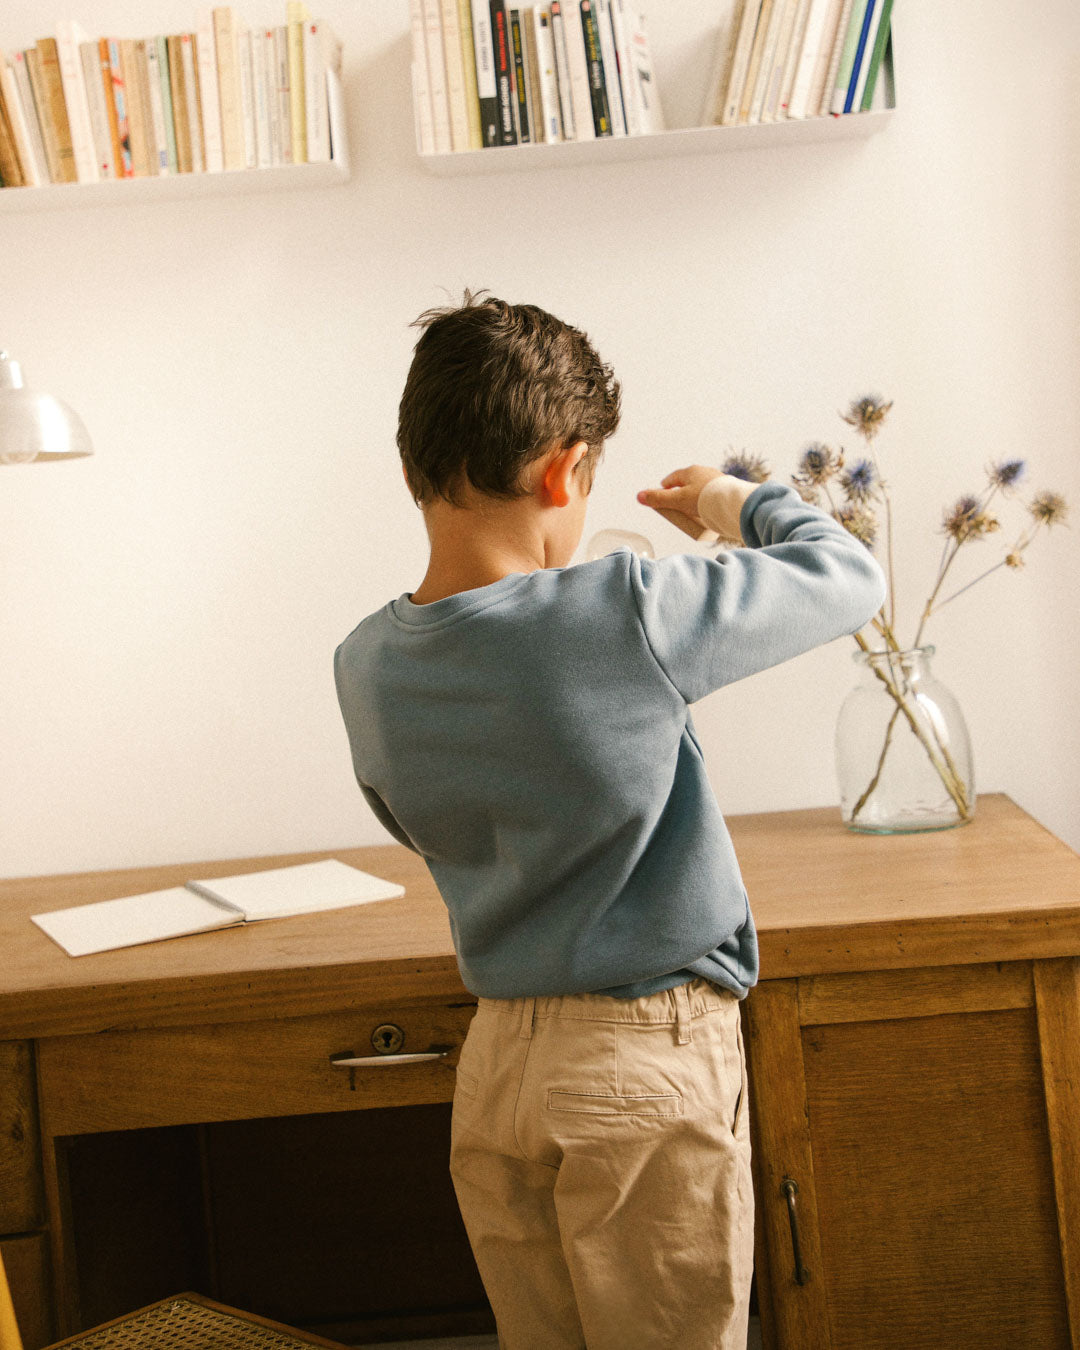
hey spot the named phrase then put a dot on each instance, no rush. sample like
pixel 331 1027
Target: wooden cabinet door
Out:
pixel 902 1148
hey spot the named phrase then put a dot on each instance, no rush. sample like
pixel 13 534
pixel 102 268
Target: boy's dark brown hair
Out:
pixel 491 388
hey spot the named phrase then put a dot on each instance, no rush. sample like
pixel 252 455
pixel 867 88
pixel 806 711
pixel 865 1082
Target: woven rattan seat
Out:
pixel 191 1322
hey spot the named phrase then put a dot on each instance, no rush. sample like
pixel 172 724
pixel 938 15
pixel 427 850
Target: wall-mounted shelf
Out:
pixel 708 140
pixel 124 191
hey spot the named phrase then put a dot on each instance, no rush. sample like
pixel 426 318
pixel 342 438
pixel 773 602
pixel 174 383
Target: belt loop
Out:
pixel 528 1011
pixel 682 1007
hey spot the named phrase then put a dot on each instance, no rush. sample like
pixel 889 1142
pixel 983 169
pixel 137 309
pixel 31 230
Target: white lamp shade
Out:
pixel 36 426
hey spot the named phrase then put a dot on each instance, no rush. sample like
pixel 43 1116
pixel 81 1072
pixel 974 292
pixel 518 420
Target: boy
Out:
pixel 524 726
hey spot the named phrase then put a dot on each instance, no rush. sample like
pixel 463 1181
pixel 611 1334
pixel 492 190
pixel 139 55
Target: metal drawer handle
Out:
pixel 351 1062
pixel 790 1189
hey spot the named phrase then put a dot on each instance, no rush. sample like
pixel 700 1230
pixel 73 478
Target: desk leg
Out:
pixel 58 1207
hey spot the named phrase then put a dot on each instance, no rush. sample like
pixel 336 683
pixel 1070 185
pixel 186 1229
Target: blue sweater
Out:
pixel 532 741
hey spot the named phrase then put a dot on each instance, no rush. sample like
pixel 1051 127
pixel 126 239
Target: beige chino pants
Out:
pixel 600 1151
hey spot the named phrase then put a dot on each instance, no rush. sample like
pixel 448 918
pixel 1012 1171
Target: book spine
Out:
pixel 770 108
pixel 425 125
pixel 281 62
pixel 32 58
pixel 621 37
pixel 140 159
pixel 866 34
pixel 318 131
pixel 578 62
pixel 455 75
pixel 521 86
pixel 487 86
pixel 154 150
pixel 189 56
pixel 847 55
pixel 95 101
pixel 436 72
pixel 33 126
pixel 260 98
pixel 19 116
pixel 562 71
pixel 835 54
pixel 602 16
pixel 297 16
pixel 227 50
pixel 504 80
pixel 768 55
pixel 160 142
pixel 757 52
pixel 178 104
pixel 795 46
pixel 877 56
pixel 740 62
pixel 209 104
pixel 168 113
pixel 246 81
pixel 546 80
pixel 816 18
pixel 68 37
pixel 125 166
pixel 11 169
pixel 646 94
pixel 58 118
pixel 270 83
pixel 855 97
pixel 468 71
pixel 532 74
pixel 590 34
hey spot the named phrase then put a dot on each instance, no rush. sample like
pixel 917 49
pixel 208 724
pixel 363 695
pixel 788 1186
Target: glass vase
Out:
pixel 903 754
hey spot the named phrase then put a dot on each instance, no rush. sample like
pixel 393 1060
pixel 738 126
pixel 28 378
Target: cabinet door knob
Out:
pixel 790 1189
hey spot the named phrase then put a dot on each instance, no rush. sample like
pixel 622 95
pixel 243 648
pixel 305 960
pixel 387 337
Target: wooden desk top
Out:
pixel 824 900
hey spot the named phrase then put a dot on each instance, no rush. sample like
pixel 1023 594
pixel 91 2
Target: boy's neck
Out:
pixel 473 548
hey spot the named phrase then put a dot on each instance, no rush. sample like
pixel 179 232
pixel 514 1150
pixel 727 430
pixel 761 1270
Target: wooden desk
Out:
pixel 945 964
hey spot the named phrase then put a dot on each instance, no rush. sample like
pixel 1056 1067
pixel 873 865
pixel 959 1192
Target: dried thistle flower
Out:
pixel 866 415
pixel 967 521
pixel 859 481
pixel 751 468
pixel 858 521
pixel 1006 473
pixel 1014 560
pixel 817 465
pixel 1048 508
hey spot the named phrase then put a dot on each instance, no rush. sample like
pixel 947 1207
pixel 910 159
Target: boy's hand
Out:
pixel 693 499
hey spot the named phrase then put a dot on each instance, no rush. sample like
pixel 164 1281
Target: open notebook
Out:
pixel 222 902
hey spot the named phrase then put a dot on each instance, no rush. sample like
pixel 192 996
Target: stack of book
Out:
pixel 488 75
pixel 224 97
pixel 797 59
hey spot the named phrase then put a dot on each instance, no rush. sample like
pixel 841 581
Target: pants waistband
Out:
pixel 678 1006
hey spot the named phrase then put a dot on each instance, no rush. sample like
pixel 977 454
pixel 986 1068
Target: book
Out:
pixel 562 71
pixel 546 80
pixel 193 98
pixel 503 62
pixel 860 12
pixel 455 75
pixel 247 95
pixel 11 172
pixel 817 32
pixel 31 166
pixel 468 68
pixel 37 165
pixel 322 52
pixel 590 32
pixel 227 54
pixel 835 53
pixel 205 906
pixel 133 59
pixel 436 73
pixel 159 141
pixel 740 63
pixel 521 85
pixel 863 47
pixel 578 67
pixel 297 15
pixel 53 109
pixel 260 77
pixel 862 60
pixel 487 85
pixel 90 57
pixel 645 93
pixel 770 107
pixel 281 66
pixel 178 95
pixel 768 54
pixel 209 104
pixel 421 87
pixel 621 42
pixel 532 70
pixel 877 56
pixel 125 167
pixel 610 62
pixel 753 65
pixel 795 46
pixel 69 37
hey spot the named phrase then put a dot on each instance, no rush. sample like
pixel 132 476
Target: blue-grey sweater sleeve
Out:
pixel 802 581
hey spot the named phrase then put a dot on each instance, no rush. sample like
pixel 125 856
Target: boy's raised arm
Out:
pixel 802 580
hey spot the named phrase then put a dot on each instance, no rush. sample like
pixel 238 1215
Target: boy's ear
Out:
pixel 559 473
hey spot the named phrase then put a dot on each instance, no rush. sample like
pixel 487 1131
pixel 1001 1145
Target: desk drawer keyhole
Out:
pixel 387 1039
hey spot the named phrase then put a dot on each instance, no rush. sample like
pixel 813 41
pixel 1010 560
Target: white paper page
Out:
pixel 108 924
pixel 303 889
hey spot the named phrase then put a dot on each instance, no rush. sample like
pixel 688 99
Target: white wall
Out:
pixel 168 609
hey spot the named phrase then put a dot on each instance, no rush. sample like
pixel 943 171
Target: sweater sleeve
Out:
pixel 802 581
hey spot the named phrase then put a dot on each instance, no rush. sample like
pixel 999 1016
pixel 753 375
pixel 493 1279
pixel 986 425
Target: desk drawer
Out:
pixel 243 1070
